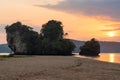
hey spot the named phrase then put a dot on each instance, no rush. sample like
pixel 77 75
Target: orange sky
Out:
pixel 79 26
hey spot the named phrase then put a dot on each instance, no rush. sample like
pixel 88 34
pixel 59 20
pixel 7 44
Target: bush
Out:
pixel 90 48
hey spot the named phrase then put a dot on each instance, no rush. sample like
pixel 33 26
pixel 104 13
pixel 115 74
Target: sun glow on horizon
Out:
pixel 79 26
pixel 111 34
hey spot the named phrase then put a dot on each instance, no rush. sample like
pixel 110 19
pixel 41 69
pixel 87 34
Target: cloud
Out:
pixel 107 30
pixel 108 8
pixel 116 27
pixel 49 2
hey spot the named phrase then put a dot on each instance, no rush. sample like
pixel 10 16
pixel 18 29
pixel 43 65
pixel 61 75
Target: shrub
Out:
pixel 90 48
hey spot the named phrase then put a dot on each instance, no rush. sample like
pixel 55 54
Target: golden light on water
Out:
pixel 112 58
pixel 107 57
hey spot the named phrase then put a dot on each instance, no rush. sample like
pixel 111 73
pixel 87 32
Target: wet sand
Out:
pixel 57 68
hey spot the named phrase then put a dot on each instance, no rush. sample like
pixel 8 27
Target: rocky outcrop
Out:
pixel 14 37
pixel 15 42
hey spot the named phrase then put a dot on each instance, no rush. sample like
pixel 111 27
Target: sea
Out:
pixel 4 54
pixel 106 57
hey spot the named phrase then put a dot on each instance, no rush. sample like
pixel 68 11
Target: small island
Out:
pixel 90 48
pixel 24 41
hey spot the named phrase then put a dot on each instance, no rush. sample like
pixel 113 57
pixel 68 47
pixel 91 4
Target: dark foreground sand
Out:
pixel 57 68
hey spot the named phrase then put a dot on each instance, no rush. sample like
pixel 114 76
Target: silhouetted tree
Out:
pixel 53 41
pixel 53 30
pixel 67 46
pixel 62 47
pixel 90 48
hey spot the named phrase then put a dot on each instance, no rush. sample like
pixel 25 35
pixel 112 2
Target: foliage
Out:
pixel 53 30
pixel 49 42
pixel 53 41
pixel 90 48
pixel 58 47
pixel 32 40
pixel 17 26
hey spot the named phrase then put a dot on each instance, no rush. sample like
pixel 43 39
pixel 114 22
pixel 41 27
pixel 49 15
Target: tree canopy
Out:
pixel 53 41
pixel 49 41
pixel 52 30
pixel 90 48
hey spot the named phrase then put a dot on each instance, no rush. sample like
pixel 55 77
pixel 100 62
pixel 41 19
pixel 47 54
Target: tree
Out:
pixel 53 42
pixel 63 47
pixel 90 48
pixel 53 30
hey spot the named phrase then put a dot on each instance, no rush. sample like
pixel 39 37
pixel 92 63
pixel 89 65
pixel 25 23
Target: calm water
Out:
pixel 4 54
pixel 107 57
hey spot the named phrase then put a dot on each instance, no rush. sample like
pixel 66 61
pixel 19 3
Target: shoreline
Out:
pixel 57 68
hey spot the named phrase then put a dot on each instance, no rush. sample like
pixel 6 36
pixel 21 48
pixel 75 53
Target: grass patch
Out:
pixel 15 56
pixel 6 56
pixel 22 56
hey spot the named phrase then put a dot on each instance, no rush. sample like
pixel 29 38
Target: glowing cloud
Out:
pixel 108 8
pixel 111 34
pixel 50 2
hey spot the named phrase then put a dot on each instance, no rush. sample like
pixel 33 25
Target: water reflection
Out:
pixel 112 57
pixel 1 54
pixel 107 57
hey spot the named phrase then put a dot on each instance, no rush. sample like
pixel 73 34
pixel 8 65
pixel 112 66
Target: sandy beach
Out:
pixel 57 68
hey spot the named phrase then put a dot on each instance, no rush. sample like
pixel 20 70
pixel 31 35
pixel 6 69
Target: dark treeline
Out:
pixel 24 41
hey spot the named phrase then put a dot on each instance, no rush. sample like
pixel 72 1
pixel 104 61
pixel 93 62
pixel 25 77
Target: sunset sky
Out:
pixel 82 19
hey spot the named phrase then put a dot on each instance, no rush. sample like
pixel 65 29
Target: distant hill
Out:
pixel 110 47
pixel 106 47
pixel 4 48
